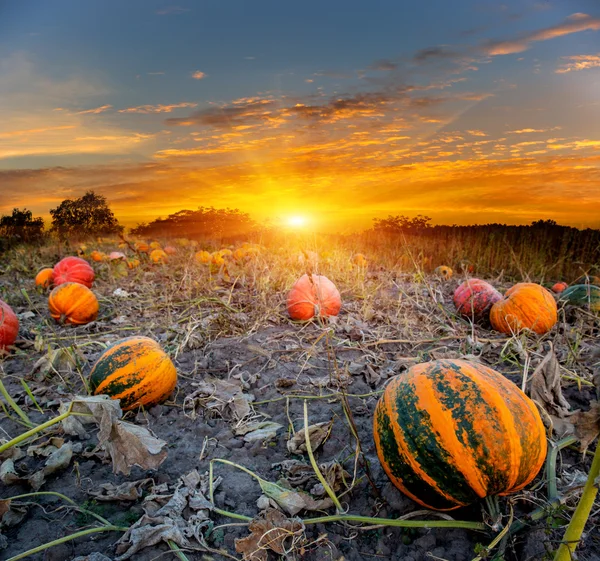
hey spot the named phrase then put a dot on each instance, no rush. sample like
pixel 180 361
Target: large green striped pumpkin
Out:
pixel 450 432
pixel 583 295
pixel 135 370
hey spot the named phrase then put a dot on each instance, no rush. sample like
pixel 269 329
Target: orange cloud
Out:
pixel 578 62
pixel 198 75
pixel 157 108
pixel 94 111
pixel 573 24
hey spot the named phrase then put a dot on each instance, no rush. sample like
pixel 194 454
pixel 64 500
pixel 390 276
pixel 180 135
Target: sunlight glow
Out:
pixel 296 221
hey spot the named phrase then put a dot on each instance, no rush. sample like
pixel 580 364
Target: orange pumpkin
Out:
pixel 155 245
pixel 97 256
pixel 44 278
pixel 203 257
pixel 73 303
pixel 217 258
pixel 451 432
pixel 73 269
pixel 158 256
pixel 239 253
pixel 136 371
pixel 313 296
pixel 9 326
pixel 524 306
pixel 359 260
pixel 170 250
pixel 133 263
pixel 443 272
pixel 142 247
pixel 225 252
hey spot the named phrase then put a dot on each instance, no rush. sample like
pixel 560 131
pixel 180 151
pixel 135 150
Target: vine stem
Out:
pixel 315 467
pixel 14 406
pixel 67 539
pixel 582 512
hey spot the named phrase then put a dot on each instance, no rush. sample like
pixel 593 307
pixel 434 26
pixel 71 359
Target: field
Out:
pixel 250 380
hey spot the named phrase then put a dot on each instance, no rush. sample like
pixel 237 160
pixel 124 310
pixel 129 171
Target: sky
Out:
pixel 334 112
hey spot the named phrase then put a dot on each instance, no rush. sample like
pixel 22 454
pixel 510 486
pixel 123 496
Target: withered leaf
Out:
pixel 318 434
pixel 270 530
pixel 223 397
pixel 11 515
pixel 126 443
pixel 128 491
pixel 587 424
pixel 545 387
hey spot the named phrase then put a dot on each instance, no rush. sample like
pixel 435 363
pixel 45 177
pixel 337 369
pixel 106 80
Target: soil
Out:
pixel 275 361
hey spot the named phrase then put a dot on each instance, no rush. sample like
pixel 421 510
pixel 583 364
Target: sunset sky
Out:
pixel 334 111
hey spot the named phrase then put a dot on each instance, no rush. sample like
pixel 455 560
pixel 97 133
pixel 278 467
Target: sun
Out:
pixel 296 221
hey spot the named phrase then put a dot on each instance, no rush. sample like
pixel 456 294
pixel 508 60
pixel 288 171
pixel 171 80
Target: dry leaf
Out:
pixel 10 515
pixel 318 434
pixel 270 530
pixel 587 424
pixel 223 397
pixel 128 491
pixel 127 444
pixel 545 387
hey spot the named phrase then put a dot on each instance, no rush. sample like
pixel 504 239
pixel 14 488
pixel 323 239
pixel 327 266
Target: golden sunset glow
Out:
pixel 495 128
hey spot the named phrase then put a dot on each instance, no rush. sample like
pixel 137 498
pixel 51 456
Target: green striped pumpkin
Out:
pixel 587 279
pixel 450 432
pixel 135 370
pixel 583 295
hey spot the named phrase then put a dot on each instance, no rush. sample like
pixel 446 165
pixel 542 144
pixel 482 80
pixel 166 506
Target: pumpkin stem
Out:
pixel 493 508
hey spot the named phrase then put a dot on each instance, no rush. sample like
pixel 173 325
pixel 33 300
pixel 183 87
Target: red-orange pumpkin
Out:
pixel 559 287
pixel 44 278
pixel 313 296
pixel 74 303
pixel 474 298
pixel 525 306
pixel 9 326
pixel 73 269
pixel 450 432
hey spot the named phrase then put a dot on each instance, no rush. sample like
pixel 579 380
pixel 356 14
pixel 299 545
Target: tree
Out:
pixel 214 223
pixel 21 226
pixel 89 215
pixel 397 224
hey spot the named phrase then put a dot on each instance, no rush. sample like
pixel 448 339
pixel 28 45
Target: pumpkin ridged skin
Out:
pixel 9 326
pixel 584 295
pixel 73 269
pixel 525 306
pixel 73 303
pixel 474 298
pixel 44 278
pixel 135 370
pixel 450 432
pixel 313 296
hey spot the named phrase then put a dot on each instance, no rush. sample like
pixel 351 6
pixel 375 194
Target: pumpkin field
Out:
pixel 288 399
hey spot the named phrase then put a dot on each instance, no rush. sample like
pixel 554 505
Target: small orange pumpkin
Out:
pixel 155 245
pixel 443 272
pixel 526 305
pixel 44 278
pixel 217 258
pixel 97 256
pixel 313 296
pixel 73 303
pixel 133 263
pixel 359 260
pixel 203 257
pixel 559 287
pixel 142 247
pixel 158 256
